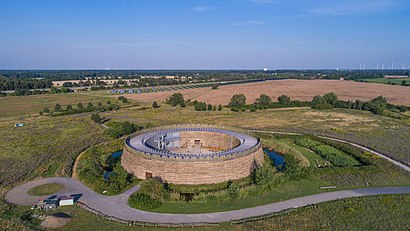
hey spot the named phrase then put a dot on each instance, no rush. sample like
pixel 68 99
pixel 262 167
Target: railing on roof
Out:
pixel 216 156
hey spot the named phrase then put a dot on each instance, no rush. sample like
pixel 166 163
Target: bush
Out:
pixel 118 129
pixel 324 106
pixel 143 201
pixel 232 189
pixel 155 104
pixel 154 189
pixel 235 109
pixel 96 118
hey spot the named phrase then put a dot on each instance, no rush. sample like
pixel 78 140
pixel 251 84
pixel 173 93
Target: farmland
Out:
pixel 303 90
pixel 388 81
pixel 47 146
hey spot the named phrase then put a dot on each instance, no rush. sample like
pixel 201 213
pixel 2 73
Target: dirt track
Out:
pixel 296 89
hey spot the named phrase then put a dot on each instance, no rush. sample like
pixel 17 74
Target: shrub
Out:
pixel 143 201
pixel 154 188
pixel 220 107
pixel 324 106
pixel 235 109
pixel 96 118
pixel 155 104
pixel 232 189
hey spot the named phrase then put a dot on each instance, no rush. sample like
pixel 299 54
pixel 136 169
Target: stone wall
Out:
pixel 190 172
pixel 208 139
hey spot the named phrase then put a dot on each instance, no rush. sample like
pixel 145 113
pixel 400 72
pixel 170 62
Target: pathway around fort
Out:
pixel 117 206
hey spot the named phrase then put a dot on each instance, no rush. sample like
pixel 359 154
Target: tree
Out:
pixel 96 118
pixel 69 107
pixel 404 83
pixel 377 105
pixel 155 104
pixel 220 107
pixel 46 110
pixel 263 100
pixel 238 100
pixel 232 189
pixel 80 106
pixel 284 100
pixel 57 107
pixel 176 99
pixel 40 113
pixel 331 98
pixel 318 100
pixel 209 107
pixel 214 108
pixel 90 106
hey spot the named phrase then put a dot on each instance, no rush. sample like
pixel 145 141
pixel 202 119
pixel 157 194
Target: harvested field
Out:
pixel 296 89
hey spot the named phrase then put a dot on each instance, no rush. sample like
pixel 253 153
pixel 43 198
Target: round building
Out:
pixel 191 154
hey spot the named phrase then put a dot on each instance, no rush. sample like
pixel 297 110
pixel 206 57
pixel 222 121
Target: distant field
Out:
pixel 296 89
pixel 32 104
pixel 384 80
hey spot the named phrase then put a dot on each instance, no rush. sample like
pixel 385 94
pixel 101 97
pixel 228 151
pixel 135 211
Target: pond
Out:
pixel 110 161
pixel 278 159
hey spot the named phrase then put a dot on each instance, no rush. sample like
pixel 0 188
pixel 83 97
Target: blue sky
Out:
pixel 204 34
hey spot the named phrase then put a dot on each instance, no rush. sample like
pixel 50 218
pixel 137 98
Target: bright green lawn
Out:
pixel 45 189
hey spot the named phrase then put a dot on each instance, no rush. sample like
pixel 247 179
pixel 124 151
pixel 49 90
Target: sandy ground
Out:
pixel 296 89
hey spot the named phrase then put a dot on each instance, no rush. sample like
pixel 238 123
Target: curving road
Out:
pixel 117 206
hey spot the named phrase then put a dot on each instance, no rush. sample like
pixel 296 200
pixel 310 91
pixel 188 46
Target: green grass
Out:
pixel 386 81
pixel 45 189
pixel 387 212
pixel 31 105
pixel 285 191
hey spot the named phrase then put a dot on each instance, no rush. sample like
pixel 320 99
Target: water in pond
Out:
pixel 278 159
pixel 115 155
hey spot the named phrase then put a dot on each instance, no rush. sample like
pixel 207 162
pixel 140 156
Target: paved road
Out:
pixel 117 205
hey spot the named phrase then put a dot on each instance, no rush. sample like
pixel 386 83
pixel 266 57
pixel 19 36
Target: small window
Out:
pixel 197 142
pixel 148 175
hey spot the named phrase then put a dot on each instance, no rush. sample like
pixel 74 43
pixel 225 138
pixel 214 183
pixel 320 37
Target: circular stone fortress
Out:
pixel 191 154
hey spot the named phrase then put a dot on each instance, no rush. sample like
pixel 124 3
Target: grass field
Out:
pixel 32 104
pixel 386 81
pixel 45 189
pixel 387 135
pixel 48 146
pixel 366 213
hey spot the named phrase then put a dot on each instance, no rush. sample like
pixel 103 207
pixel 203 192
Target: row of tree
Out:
pixel 69 109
